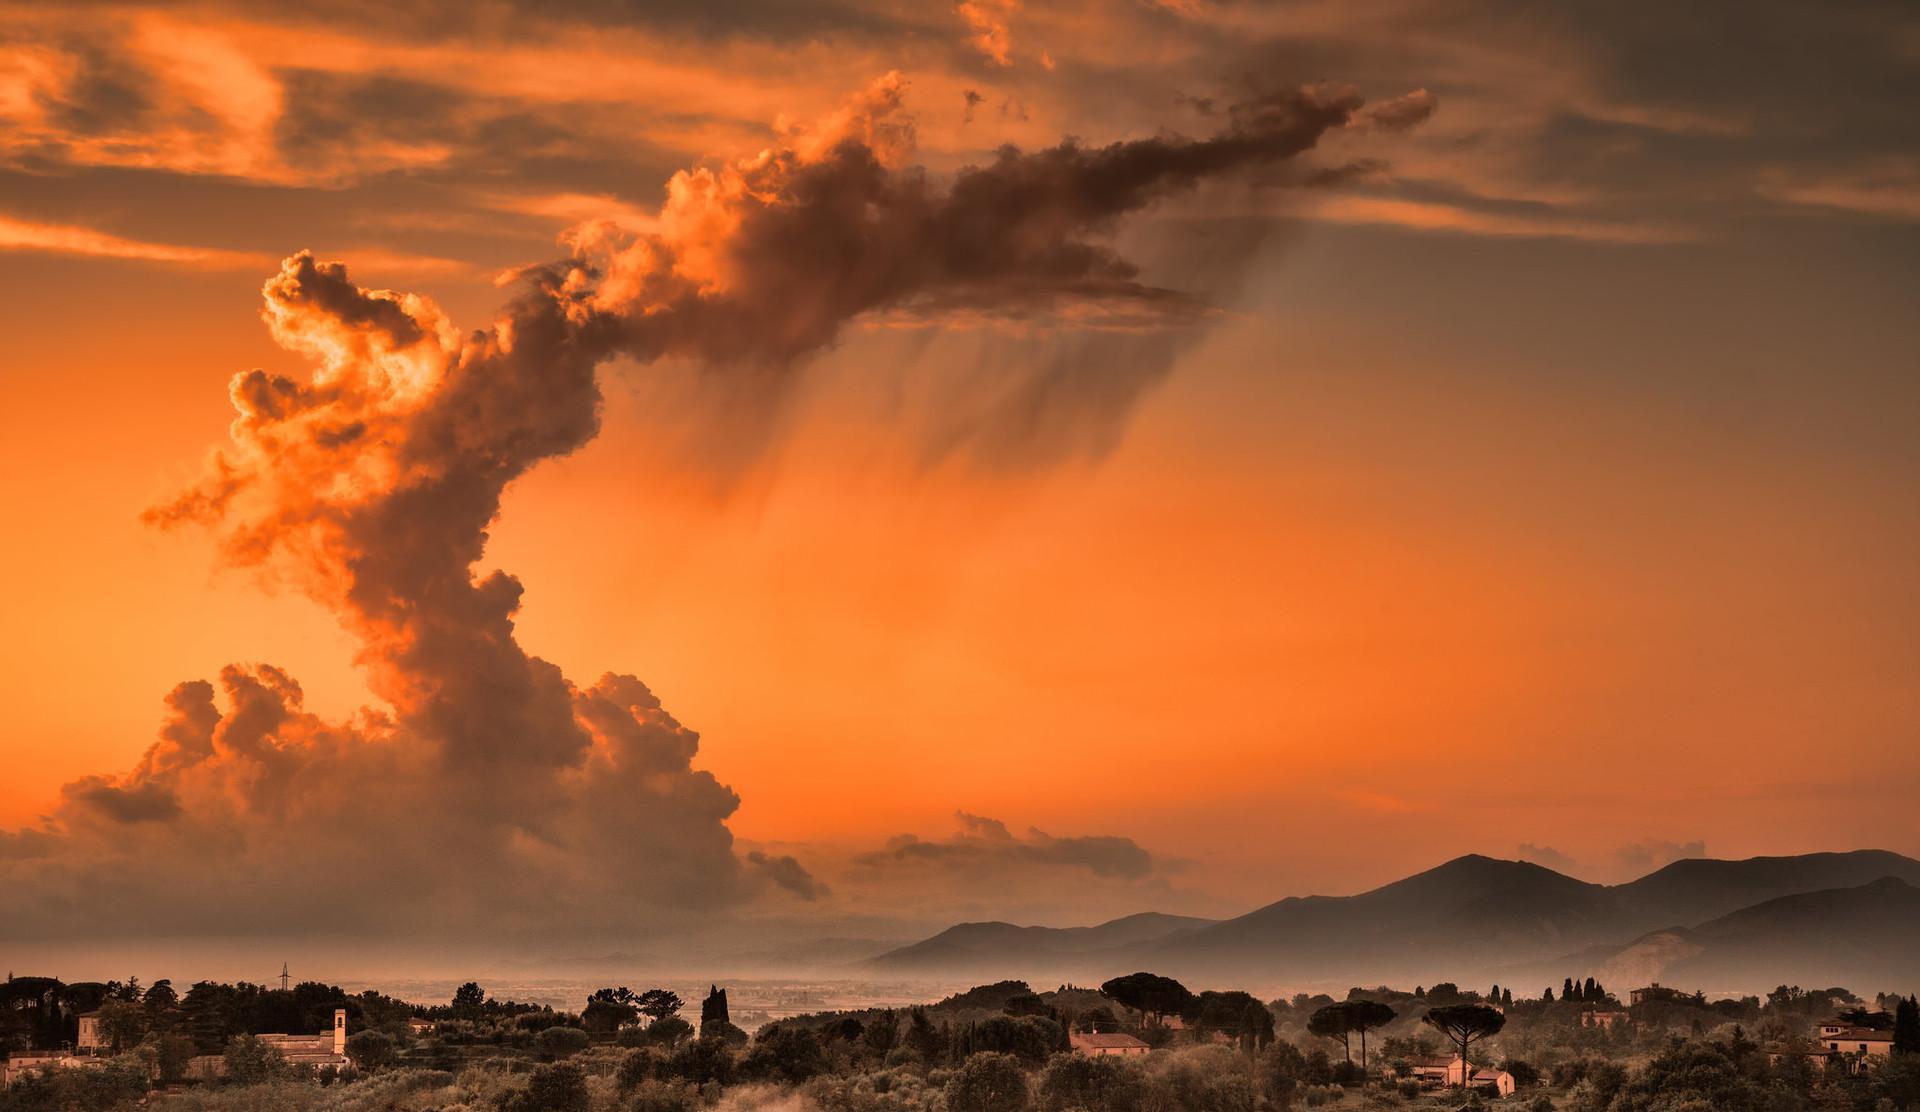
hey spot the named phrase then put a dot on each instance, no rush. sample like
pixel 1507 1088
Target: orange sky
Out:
pixel 1517 498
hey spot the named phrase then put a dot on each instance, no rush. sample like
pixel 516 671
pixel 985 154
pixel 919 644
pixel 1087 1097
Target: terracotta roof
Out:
pixel 1108 1042
pixel 1861 1034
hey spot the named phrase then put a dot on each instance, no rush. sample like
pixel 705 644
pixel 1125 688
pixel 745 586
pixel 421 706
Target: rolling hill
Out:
pixel 1860 937
pixel 1469 920
pixel 1003 949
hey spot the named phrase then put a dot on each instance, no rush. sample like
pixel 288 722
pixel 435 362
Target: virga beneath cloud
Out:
pixel 488 788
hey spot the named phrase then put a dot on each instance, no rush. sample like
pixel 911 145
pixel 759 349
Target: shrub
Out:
pixel 988 1082
pixel 562 1042
pixel 560 1087
pixel 1073 1081
pixel 630 1037
pixel 250 1061
pixel 789 1054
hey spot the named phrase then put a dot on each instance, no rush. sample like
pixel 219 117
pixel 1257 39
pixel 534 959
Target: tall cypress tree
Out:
pixel 1906 1026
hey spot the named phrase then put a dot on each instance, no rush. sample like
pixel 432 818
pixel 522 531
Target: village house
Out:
pixel 92 1039
pixel 1655 993
pixel 1859 1042
pixel 1604 1020
pixel 1436 1072
pixel 1100 1046
pixel 22 1063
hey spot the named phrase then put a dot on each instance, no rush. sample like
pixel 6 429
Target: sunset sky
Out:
pixel 1481 427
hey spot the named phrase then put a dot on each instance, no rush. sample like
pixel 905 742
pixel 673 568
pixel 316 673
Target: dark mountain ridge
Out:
pixel 1005 946
pixel 1860 937
pixel 1465 920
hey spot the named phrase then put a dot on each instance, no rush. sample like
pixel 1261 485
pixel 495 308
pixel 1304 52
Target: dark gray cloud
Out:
pixel 487 788
pixel 1547 856
pixel 149 802
pixel 985 846
pixel 788 873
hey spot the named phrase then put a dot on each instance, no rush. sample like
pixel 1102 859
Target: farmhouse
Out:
pixel 1435 1072
pixel 1862 1041
pixel 1101 1046
pixel 1655 993
pixel 1604 1020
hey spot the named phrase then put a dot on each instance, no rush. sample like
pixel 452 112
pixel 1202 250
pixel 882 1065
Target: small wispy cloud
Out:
pixel 1431 216
pixel 73 239
pixel 1889 188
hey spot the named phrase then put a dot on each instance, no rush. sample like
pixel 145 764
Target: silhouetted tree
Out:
pixel 469 1000
pixel 609 1009
pixel 1465 1024
pixel 1906 1026
pixel 714 1008
pixel 1506 998
pixel 658 1003
pixel 1235 1013
pixel 1150 994
pixel 160 995
pixel 882 1035
pixel 1364 1016
pixel 1029 1038
pixel 1546 996
pixel 922 1039
pixel 1333 1022
pixel 1568 992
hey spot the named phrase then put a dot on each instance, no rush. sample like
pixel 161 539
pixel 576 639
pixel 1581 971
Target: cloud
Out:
pixel 1887 188
pixel 987 19
pixel 69 239
pixel 985 845
pixel 787 872
pixel 1429 216
pixel 1402 113
pixel 984 869
pixel 1547 856
pixel 1644 857
pixel 486 791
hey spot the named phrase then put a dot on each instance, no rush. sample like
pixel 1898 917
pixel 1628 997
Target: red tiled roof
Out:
pixel 1109 1042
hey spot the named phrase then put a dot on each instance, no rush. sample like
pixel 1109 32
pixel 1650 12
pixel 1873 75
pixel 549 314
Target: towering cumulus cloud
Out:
pixel 486 786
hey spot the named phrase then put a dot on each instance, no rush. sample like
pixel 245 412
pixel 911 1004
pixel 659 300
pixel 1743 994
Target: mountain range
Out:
pixel 1822 918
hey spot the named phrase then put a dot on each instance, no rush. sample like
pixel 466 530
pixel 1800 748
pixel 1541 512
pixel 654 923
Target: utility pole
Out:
pixel 283 976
